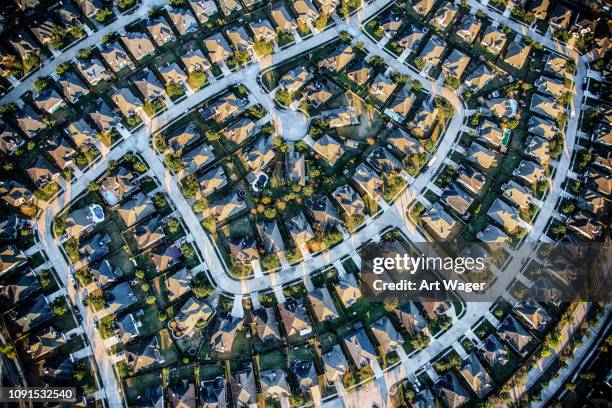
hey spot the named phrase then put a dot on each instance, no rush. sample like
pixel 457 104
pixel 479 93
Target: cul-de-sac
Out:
pixel 187 188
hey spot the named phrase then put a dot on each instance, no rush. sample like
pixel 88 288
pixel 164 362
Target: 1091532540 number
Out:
pixel 37 394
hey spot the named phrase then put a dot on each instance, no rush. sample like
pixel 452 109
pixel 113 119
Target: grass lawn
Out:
pixel 271 360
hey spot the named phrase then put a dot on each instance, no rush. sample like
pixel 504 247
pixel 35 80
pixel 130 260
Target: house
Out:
pixel 265 324
pixel 271 237
pixel 517 193
pixel 478 79
pixel 61 152
pixel 149 233
pixel 444 16
pixel 324 214
pixel 165 256
pixel 118 185
pixel 382 87
pixel 263 31
pixel 585 225
pixel 439 221
pixel 493 40
pixel 30 122
pixel 10 140
pixel 550 87
pixel 335 364
pixel 30 314
pixel 384 162
pixel 283 20
pixel 24 45
pixel 173 74
pixel 457 199
pixel 203 9
pixel 493 352
pixel 197 158
pixel 242 386
pixel 240 131
pixel 422 7
pixel 455 64
pixel 433 50
pixel 511 331
pixel 322 304
pixel 225 332
pixel 555 65
pixel 305 375
pixel 450 391
pixel 598 181
pixel 136 210
pixel 182 395
pixel 178 284
pixel 403 142
pixel 328 7
pixel 11 258
pixel 340 117
pixel 274 384
pixel 517 54
pixel 329 149
pixel 423 121
pixel 360 349
pixel 260 155
pixel 127 102
pixel 295 167
pixel 183 20
pixel 118 299
pixel 602 134
pixel 348 291
pixel 469 28
pixel 492 235
pixel 481 156
pixel 138 45
pixel 538 148
pixel 594 203
pixel 602 158
pixel 411 318
pixel 43 31
pixel 104 274
pixel 81 133
pixel 144 354
pixel 492 135
pixel 182 138
pixel 391 25
pixel 150 87
pixel 83 219
pixel 193 313
pixel 244 249
pixel 194 61
pixel 218 49
pixel 339 58
pixel 240 40
pixel 545 106
pixel 90 7
pixel 48 100
pixel 424 399
pixel 294 317
pixel 295 79
pixel 226 207
pixel 229 6
pixel 44 342
pixel 300 229
pixel 212 181
pixel 222 109
pixel 476 376
pixel 402 103
pixel 359 73
pixel 115 57
pixel 386 335
pixel 41 172
pixel 411 38
pixel 103 116
pixel 213 393
pixel 542 127
pixel 349 200
pixel 539 9
pixel 15 194
pixel 532 313
pixel 530 172
pixel 160 31
pixel 72 87
pixel 500 107
pixel 11 226
pixel 505 215
pixel 305 11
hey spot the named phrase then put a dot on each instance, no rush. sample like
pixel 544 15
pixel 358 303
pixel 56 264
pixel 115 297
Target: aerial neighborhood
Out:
pixel 189 190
